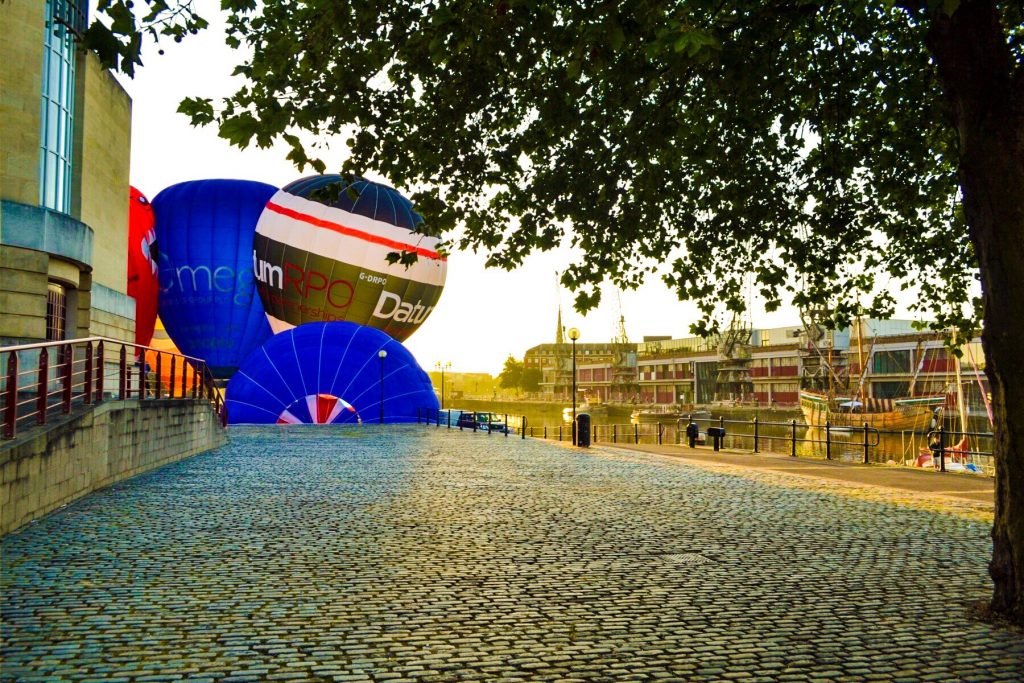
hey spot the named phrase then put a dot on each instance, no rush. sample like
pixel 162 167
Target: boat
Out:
pixel 666 415
pixel 592 409
pixel 884 414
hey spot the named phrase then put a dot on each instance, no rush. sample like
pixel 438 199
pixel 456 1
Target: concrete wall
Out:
pixel 46 469
pixel 21 63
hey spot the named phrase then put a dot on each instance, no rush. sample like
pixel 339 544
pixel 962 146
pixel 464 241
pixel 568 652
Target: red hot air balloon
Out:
pixel 143 284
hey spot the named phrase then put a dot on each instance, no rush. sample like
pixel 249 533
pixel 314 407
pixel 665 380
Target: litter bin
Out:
pixel 692 432
pixel 583 430
pixel 716 434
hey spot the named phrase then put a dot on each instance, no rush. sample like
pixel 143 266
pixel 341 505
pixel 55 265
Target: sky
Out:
pixel 483 316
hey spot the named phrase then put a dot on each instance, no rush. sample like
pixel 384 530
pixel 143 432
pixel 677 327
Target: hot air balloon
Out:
pixel 184 377
pixel 323 373
pixel 142 252
pixel 321 253
pixel 208 302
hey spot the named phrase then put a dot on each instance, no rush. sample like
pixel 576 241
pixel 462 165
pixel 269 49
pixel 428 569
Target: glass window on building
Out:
pixel 891 362
pixel 56 312
pixel 64 17
pixel 889 389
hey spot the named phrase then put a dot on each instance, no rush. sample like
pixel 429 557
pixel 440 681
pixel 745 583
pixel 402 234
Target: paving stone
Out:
pixel 413 554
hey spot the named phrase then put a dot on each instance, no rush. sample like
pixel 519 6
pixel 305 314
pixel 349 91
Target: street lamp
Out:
pixel 442 366
pixel 382 354
pixel 574 334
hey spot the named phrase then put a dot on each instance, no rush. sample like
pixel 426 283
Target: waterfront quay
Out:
pixel 413 553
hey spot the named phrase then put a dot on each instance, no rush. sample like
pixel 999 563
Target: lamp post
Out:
pixel 574 334
pixel 442 367
pixel 382 354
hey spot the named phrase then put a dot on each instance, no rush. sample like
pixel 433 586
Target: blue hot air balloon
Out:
pixel 208 301
pixel 322 373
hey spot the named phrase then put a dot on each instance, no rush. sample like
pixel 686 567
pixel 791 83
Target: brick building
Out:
pixel 769 369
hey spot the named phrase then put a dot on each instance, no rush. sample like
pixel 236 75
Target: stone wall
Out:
pixel 21 60
pixel 100 177
pixel 47 469
pixel 22 295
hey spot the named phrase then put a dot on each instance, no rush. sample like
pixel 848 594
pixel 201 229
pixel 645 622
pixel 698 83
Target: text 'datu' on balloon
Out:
pixel 321 252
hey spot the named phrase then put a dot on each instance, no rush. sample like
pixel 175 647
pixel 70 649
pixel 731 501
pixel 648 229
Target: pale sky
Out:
pixel 484 315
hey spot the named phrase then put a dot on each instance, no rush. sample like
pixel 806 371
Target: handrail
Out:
pixel 90 369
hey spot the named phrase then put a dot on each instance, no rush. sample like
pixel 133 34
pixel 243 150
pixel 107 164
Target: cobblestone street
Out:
pixel 421 554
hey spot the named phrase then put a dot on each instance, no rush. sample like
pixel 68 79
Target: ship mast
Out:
pixel 860 359
pixel 623 381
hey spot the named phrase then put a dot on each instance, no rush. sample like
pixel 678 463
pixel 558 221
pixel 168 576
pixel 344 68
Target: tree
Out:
pixel 511 376
pixel 831 152
pixel 531 379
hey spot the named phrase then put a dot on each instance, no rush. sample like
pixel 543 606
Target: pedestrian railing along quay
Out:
pixel 50 378
pixel 476 421
pixel 797 439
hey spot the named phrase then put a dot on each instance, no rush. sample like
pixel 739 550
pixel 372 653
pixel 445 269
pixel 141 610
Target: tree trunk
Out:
pixel 984 93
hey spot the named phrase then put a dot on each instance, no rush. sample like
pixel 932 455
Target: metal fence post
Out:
pixel 942 448
pixel 69 361
pixel 828 439
pixel 99 372
pixel 44 371
pixel 755 433
pixel 793 437
pixel 866 446
pixel 11 408
pixel 122 383
pixel 159 368
pixel 660 426
pixel 636 433
pixel 522 427
pixel 87 388
pixel 506 425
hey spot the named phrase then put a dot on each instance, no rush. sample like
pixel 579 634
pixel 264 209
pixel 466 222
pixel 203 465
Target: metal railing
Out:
pixel 833 442
pixel 954 449
pixel 500 423
pixel 48 378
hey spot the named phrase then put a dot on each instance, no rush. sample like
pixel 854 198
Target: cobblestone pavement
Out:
pixel 418 554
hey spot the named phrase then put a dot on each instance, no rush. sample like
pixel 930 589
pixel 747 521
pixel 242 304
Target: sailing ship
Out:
pixel 899 413
pixel 884 414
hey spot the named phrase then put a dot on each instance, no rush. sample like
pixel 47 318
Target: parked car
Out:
pixel 483 421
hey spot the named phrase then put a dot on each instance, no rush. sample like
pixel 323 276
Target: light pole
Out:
pixel 382 354
pixel 574 334
pixel 442 367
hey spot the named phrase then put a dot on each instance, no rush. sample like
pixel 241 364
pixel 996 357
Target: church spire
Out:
pixel 560 330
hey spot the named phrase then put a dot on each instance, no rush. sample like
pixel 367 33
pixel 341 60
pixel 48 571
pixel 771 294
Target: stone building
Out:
pixel 64 186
